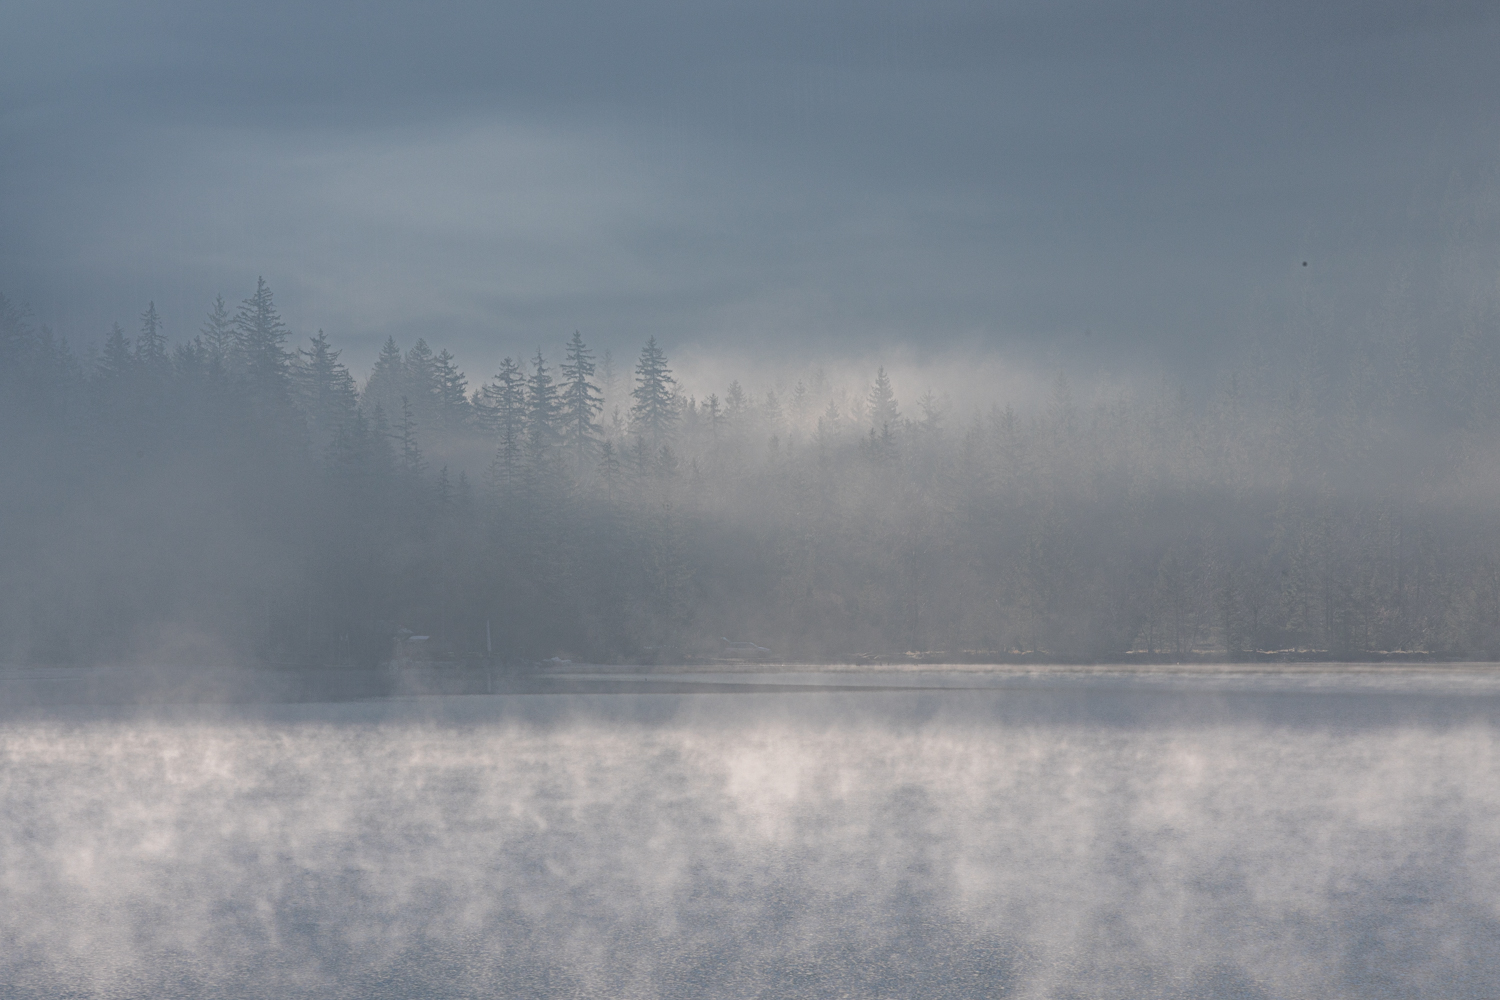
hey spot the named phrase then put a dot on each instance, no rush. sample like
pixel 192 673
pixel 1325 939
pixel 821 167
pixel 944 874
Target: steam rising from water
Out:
pixel 936 844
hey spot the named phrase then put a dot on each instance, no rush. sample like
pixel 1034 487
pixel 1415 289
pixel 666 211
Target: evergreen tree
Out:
pixel 800 401
pixel 420 379
pixel 715 416
pixel 772 413
pixel 734 402
pixel 117 393
pixel 654 414
pixel 387 382
pixel 609 468
pixel 406 434
pixel 883 410
pixel 360 455
pixel 451 386
pixel 640 459
pixel 151 345
pixel 261 335
pixel 666 463
pixel 932 412
pixel 325 387
pixel 504 403
pixel 581 401
pixel 218 331
pixel 542 409
pixel 831 422
pixel 119 362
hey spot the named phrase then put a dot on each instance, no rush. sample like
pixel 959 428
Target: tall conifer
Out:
pixel 654 414
pixel 581 401
pixel 262 335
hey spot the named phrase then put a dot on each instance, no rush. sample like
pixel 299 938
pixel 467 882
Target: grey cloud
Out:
pixel 832 175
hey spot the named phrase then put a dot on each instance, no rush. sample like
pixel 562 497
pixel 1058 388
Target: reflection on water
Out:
pixel 1090 837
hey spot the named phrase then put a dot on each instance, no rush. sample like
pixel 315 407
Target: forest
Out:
pixel 239 496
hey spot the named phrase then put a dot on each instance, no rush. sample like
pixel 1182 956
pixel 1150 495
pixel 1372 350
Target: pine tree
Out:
pixel 666 463
pixel 832 420
pixel 117 391
pixel 420 378
pixel 640 458
pixel 325 387
pixel 387 382
pixel 581 401
pixel 715 415
pixel 654 414
pixel 360 453
pixel 734 402
pixel 609 468
pixel 451 387
pixel 800 401
pixel 119 361
pixel 406 434
pixel 219 333
pixel 932 412
pixel 772 411
pixel 542 408
pixel 883 410
pixel 261 336
pixel 382 453
pixel 151 345
pixel 504 406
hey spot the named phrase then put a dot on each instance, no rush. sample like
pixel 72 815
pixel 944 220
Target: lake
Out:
pixel 1298 832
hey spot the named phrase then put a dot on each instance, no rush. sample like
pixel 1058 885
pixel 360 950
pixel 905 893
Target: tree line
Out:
pixel 236 495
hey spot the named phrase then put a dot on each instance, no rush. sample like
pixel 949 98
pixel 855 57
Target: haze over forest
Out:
pixel 237 493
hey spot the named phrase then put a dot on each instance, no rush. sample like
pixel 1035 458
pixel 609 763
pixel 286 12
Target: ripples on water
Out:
pixel 1102 836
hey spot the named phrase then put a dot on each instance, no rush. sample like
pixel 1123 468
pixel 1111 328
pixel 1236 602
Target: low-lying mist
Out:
pixel 236 497
pixel 1049 842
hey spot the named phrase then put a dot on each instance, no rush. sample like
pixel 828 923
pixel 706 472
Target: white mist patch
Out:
pixel 777 845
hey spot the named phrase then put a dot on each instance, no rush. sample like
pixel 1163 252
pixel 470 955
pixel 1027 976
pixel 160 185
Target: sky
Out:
pixel 1117 184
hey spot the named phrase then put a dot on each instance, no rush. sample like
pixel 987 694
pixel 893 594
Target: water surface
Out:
pixel 1322 832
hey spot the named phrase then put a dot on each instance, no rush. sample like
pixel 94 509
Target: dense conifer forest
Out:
pixel 241 496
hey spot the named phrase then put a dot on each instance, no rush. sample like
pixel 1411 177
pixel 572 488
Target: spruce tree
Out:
pixel 772 412
pixel 735 404
pixel 451 388
pixel 119 361
pixel 654 414
pixel 715 414
pixel 800 401
pixel 219 333
pixel 542 409
pixel 420 379
pixel 932 412
pixel 609 468
pixel 262 335
pixel 406 434
pixel 387 382
pixel 325 387
pixel 504 406
pixel 151 345
pixel 581 401
pixel 883 410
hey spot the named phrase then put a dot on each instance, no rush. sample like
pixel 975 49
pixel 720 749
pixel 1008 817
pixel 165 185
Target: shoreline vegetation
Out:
pixel 235 496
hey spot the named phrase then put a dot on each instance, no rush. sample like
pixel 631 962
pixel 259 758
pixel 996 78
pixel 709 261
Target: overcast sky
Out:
pixel 813 179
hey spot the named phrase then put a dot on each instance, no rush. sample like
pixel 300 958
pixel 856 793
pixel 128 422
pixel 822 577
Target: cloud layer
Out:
pixel 817 178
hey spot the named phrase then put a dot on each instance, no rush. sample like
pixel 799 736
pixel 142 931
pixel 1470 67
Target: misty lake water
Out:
pixel 1309 833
